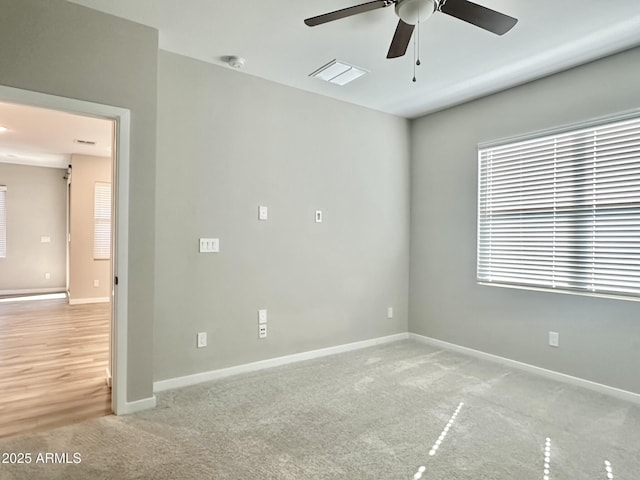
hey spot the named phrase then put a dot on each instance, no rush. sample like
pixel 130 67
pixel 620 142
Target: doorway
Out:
pixel 118 118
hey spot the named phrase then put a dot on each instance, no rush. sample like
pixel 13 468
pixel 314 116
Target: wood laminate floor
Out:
pixel 53 360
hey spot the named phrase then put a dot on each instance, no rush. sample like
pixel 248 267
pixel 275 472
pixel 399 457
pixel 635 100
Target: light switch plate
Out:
pixel 554 339
pixel 262 316
pixel 263 213
pixel 209 245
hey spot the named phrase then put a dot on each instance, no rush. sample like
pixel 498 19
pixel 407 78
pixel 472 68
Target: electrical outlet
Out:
pixel 262 316
pixel 318 216
pixel 390 312
pixel 262 330
pixel 202 339
pixel 47 276
pixel 96 283
pixel 554 339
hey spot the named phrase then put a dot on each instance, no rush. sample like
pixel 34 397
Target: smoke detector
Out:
pixel 237 62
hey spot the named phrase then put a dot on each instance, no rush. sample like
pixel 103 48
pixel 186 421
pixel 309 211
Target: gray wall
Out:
pixel 84 269
pixel 60 48
pixel 228 142
pixel 36 207
pixel 599 338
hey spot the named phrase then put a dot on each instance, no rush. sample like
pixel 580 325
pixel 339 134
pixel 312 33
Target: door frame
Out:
pixel 122 121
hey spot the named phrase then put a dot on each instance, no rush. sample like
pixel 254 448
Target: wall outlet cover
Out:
pixel 554 339
pixel 262 330
pixel 201 339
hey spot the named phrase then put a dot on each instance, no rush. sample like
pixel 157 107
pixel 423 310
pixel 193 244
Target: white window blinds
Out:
pixel 3 222
pixel 102 221
pixel 563 211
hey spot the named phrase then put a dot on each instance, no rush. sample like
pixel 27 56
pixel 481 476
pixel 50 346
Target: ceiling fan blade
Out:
pixel 346 12
pixel 401 40
pixel 480 16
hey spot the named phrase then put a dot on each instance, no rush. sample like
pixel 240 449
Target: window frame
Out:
pixel 600 122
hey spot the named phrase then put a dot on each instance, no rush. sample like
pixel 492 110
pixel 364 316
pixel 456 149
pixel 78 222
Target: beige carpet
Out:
pixel 376 413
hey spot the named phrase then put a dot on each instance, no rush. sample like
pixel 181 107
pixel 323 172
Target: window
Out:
pixel 102 221
pixel 562 211
pixel 3 222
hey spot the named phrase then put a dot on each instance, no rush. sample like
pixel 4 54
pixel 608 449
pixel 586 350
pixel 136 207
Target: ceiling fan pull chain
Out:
pixel 418 41
pixel 414 59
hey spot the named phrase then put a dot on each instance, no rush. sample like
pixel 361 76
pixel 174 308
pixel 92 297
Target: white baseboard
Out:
pixel 32 291
pixel 139 405
pixel 83 301
pixel 196 378
pixel 553 375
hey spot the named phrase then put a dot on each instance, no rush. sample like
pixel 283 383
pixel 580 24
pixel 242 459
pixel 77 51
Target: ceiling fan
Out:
pixel 413 12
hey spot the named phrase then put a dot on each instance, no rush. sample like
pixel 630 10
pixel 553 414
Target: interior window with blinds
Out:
pixel 3 222
pixel 102 221
pixel 562 211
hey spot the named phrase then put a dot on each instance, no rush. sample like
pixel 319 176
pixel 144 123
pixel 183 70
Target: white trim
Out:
pixel 34 298
pixel 138 406
pixel 32 291
pixel 122 118
pixel 83 301
pixel 197 378
pixel 543 372
pixel 561 291
pixel 120 265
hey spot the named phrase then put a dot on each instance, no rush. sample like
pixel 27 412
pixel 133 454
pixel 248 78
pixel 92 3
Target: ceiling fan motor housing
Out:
pixel 414 11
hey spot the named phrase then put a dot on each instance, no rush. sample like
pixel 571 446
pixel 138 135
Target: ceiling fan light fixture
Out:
pixel 413 12
pixel 338 72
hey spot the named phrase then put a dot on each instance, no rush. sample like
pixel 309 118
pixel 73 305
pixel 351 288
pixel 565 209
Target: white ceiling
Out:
pixel 48 138
pixel 459 61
